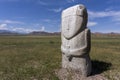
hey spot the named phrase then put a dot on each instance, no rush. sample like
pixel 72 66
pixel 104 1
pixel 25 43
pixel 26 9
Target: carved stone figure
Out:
pixel 75 36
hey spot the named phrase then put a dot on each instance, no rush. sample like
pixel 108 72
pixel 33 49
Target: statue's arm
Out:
pixel 63 50
pixel 80 51
pixel 86 48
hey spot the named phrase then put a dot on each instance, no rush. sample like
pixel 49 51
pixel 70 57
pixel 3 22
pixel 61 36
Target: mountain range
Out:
pixel 43 33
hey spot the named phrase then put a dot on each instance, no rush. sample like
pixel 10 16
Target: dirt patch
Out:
pixel 64 74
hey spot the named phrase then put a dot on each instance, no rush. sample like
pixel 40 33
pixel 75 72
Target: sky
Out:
pixel 25 16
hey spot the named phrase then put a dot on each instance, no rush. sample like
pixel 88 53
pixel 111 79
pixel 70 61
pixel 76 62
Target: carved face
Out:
pixel 73 21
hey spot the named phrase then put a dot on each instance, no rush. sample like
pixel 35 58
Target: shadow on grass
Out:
pixel 99 67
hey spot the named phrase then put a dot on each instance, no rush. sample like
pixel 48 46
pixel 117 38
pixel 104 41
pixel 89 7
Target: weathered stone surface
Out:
pixel 75 36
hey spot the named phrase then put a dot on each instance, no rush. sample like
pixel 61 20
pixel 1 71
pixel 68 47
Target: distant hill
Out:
pixel 59 33
pixel 4 31
pixel 111 34
pixel 43 33
pixel 7 32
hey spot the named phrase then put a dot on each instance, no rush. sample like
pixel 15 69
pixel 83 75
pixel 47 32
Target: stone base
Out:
pixel 64 74
pixel 79 64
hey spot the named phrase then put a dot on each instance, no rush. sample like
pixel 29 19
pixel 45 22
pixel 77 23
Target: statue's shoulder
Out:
pixel 87 31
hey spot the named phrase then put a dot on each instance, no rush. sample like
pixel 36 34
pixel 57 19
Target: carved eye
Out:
pixel 81 7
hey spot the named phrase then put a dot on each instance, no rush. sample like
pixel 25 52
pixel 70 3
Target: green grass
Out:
pixel 37 57
pixel 107 50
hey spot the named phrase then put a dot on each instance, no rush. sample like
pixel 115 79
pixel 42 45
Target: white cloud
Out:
pixel 56 10
pixel 98 14
pixel 42 3
pixel 114 15
pixel 19 29
pixel 70 1
pixel 3 27
pixel 26 30
pixel 109 8
pixel 23 30
pixel 11 22
pixel 42 28
pixel 46 20
pixel 91 24
pixel 11 26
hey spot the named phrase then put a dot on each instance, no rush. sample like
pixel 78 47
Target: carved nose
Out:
pixel 67 28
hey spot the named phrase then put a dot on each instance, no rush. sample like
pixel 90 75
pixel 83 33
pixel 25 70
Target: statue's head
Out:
pixel 74 20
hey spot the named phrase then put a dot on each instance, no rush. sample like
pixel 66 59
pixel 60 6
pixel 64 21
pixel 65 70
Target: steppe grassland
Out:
pixel 37 57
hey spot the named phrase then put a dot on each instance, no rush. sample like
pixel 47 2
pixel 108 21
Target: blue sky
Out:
pixel 45 15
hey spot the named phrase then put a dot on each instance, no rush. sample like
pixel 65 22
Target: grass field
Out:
pixel 37 57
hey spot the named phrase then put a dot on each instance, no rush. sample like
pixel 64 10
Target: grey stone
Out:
pixel 76 38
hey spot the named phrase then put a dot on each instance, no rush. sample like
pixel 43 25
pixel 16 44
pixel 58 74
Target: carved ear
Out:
pixel 85 17
pixel 80 10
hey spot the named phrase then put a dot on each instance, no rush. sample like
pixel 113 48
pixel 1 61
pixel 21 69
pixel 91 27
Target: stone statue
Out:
pixel 76 38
